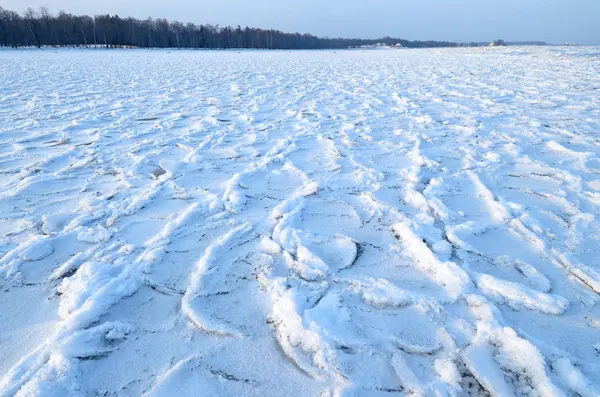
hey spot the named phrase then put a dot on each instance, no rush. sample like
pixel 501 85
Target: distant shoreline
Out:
pixel 232 50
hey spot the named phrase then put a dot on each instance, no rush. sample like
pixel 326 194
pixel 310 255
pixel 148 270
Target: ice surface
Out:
pixel 418 222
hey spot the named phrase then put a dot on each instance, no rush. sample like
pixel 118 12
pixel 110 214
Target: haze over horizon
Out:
pixel 553 21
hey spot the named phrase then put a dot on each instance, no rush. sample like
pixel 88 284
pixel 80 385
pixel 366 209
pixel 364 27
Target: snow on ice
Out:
pixel 419 222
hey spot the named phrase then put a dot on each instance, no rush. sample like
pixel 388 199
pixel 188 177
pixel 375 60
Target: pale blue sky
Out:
pixel 554 21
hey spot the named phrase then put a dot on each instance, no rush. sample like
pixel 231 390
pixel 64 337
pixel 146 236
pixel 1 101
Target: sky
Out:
pixel 553 21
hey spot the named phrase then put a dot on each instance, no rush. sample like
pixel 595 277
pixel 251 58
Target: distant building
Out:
pixel 497 43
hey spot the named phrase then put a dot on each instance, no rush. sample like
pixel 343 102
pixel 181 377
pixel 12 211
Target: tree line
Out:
pixel 40 28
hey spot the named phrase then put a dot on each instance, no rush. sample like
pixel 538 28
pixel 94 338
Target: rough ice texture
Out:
pixel 300 224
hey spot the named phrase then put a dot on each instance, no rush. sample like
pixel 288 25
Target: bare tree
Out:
pixel 33 23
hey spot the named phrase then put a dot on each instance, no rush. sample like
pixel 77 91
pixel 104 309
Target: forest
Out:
pixel 41 28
